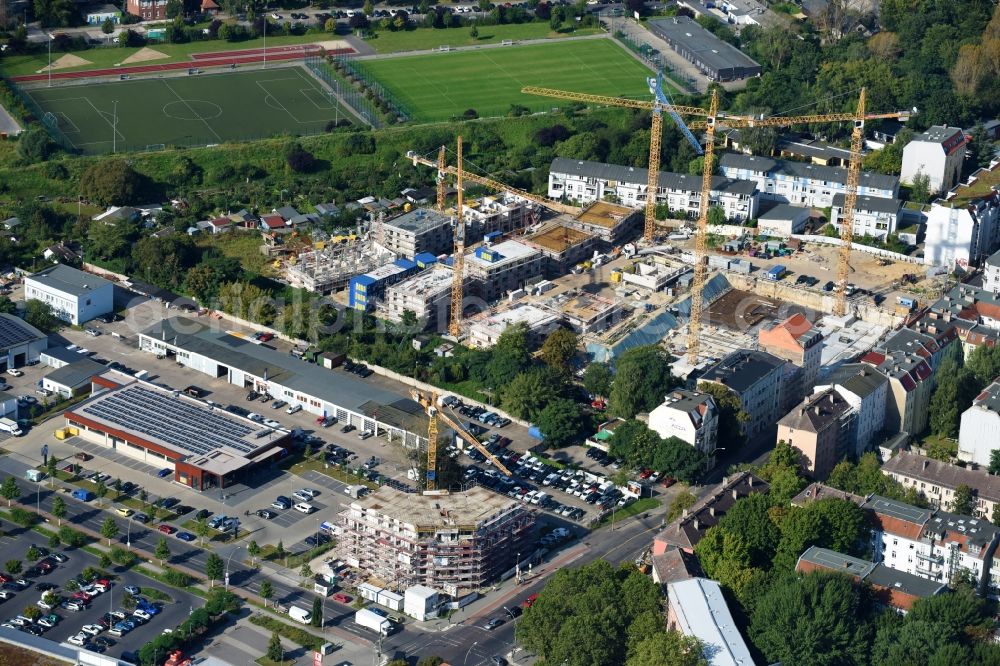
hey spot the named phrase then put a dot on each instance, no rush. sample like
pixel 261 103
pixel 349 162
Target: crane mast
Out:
pixel 458 263
pixel 441 164
pixel 700 244
pixel 850 201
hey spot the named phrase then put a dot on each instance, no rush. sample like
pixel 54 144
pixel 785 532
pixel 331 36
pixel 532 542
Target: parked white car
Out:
pixel 78 639
pixel 304 507
pixel 92 629
pixel 141 614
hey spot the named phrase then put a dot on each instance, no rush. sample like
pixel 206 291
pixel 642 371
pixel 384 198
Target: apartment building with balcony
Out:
pixel 450 542
pixel 755 378
pixel 802 184
pixel 587 182
pixel 937 481
pixel 873 216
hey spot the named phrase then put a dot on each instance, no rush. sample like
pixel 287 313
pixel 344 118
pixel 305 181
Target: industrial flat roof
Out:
pixel 711 50
pixel 418 220
pixel 898 510
pixel 68 280
pixel 77 373
pixel 559 238
pixel 520 313
pixel 906 583
pixel 431 281
pixel 475 506
pixel 337 388
pixel 839 562
pixel 604 214
pixel 702 612
pixel 209 438
pixel 15 331
pixel 507 251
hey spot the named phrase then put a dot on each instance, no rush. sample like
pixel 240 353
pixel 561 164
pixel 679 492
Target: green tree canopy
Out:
pixel 596 614
pixel 819 619
pixel 558 348
pixel 597 379
pixel 39 314
pixel 731 414
pixel 560 422
pixel 642 380
pixel 111 182
pixel 984 364
pixel 528 393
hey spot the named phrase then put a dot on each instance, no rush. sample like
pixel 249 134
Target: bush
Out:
pixel 294 634
pixel 22 517
pixel 72 538
pixel 176 578
pixel 299 159
pixel 120 556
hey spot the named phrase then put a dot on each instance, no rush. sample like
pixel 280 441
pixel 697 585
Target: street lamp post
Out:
pixel 50 59
pixel 228 560
pixel 128 535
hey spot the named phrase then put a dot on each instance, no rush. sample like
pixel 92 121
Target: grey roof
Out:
pixel 11 222
pixel 15 331
pixel 989 399
pixel 916 466
pixel 327 209
pixel 994 259
pixel 69 280
pixel 287 212
pixel 416 221
pixel 784 211
pixel 668 180
pixel 937 134
pixel 336 387
pixel 5 396
pixel 976 530
pixel 64 354
pixel 858 378
pixel 812 148
pixel 743 368
pixel 907 583
pixel 819 172
pixel 816 412
pixel 711 50
pixel 898 510
pixel 865 202
pixel 76 374
pixel 817 491
pixel 834 561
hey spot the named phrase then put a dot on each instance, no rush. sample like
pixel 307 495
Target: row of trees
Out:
pixel 959 381
pixel 639 446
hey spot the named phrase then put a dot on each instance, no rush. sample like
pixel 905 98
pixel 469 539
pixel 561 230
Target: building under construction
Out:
pixel 452 542
pixel 331 267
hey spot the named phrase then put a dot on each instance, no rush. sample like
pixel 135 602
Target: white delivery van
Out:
pixel 299 614
pixel 10 426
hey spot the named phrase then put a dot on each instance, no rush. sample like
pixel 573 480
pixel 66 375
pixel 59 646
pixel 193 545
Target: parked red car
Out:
pixel 668 481
pixel 342 598
pixel 167 529
pixel 529 602
pixel 645 474
pixel 266 337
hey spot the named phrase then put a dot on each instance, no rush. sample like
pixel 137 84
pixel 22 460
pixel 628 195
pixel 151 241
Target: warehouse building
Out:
pixel 451 542
pixel 716 59
pixel 20 342
pixel 203 446
pixel 320 391
pixel 76 297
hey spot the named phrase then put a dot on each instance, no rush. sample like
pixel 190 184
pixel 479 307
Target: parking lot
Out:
pixel 14 545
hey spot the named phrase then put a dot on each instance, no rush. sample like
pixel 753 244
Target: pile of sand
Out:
pixel 333 44
pixel 67 61
pixel 144 54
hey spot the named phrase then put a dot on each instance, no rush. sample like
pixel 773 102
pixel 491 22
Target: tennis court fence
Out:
pixel 47 119
pixel 355 69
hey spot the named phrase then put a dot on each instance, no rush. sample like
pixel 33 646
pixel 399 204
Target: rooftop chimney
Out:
pixel 697 524
pixel 736 495
pixel 711 511
pixel 926 463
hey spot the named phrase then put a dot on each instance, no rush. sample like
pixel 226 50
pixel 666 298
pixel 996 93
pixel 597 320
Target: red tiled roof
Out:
pixel 874 358
pixel 273 221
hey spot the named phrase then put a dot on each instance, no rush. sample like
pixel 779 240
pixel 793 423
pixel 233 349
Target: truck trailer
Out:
pixel 373 622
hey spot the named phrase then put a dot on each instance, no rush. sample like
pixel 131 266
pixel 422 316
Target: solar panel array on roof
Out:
pixel 13 332
pixel 176 422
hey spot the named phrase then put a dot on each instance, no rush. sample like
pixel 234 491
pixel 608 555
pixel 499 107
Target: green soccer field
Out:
pixel 443 85
pixel 189 111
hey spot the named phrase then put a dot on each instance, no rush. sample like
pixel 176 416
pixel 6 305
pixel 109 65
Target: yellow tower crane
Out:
pixel 441 164
pixel 712 118
pixel 429 401
pixel 458 263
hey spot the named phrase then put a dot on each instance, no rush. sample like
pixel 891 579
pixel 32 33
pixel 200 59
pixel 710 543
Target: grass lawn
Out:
pixel 634 509
pixel 244 247
pixel 431 38
pixel 442 85
pixel 21 65
pixel 185 111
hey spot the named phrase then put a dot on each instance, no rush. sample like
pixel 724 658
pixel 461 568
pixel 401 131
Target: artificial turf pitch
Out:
pixel 442 85
pixel 190 110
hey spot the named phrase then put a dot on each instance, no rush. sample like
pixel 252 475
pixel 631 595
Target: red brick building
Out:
pixel 148 10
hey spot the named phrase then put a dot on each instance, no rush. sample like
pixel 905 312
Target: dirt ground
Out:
pixel 144 55
pixel 739 310
pixel 67 61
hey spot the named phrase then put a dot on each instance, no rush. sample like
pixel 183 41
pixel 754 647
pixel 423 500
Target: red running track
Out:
pixel 219 61
pixel 294 48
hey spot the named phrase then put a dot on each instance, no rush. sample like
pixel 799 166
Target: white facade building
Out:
pixel 961 233
pixel 874 216
pixel 76 297
pixel 587 182
pixel 689 416
pixel 938 154
pixel 866 390
pixel 979 434
pixel 802 184
pixel 486 331
pixel 783 220
pixel 991 273
pixel 696 607
pixel 20 342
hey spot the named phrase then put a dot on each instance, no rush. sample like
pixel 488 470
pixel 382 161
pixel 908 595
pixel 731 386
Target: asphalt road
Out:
pixel 14 545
